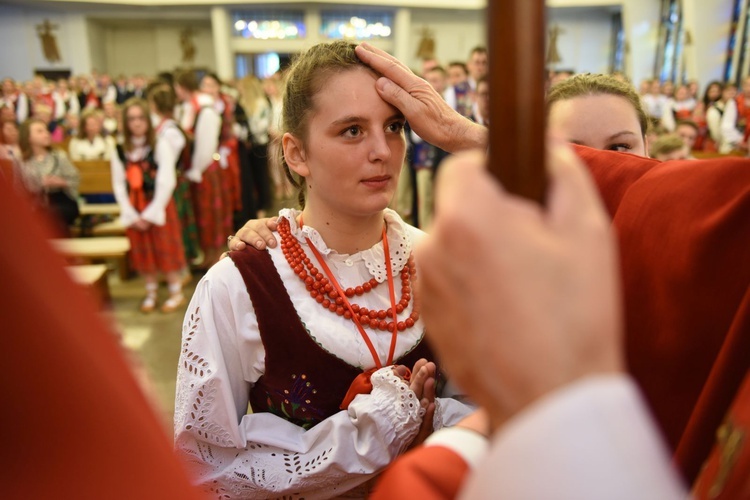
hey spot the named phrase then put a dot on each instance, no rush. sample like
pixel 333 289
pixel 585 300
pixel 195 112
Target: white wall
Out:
pixel 708 23
pixel 151 49
pixel 584 43
pixel 22 53
pixel 97 46
pixel 456 32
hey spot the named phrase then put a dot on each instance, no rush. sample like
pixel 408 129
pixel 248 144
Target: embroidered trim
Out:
pixel 374 258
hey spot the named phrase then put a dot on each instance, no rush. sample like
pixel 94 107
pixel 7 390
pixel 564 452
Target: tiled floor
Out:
pixel 152 339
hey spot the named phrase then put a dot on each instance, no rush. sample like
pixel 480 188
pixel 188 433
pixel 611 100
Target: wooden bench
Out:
pixel 94 278
pixel 99 208
pixel 94 250
pixel 96 176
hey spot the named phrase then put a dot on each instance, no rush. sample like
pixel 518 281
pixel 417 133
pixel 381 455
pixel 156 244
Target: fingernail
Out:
pixel 258 244
pixel 383 84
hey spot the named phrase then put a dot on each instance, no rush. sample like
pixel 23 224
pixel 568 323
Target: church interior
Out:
pixel 70 61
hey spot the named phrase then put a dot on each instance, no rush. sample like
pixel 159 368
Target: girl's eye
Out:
pixel 353 131
pixel 623 148
pixel 396 127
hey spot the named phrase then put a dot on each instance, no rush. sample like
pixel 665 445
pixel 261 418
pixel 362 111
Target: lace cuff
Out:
pixel 398 404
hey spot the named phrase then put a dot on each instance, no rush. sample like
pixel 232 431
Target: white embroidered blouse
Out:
pixel 238 455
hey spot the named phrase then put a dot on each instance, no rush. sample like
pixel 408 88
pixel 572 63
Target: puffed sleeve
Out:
pixel 128 214
pixel 207 128
pixel 239 455
pixel 168 148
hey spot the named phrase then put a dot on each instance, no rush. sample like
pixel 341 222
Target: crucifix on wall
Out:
pixel 49 42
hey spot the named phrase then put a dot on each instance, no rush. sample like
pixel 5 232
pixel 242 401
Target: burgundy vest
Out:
pixel 303 383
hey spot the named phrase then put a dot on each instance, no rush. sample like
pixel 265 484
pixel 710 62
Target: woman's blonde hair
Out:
pixel 304 79
pixel 85 117
pixel 597 84
pixel 251 91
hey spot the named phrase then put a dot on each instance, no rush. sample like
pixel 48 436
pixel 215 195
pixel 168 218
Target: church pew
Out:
pixel 92 250
pixel 96 176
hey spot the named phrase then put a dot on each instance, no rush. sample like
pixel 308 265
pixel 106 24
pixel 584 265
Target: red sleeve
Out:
pixel 426 473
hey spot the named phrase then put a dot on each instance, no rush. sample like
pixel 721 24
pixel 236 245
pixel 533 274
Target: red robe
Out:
pixel 75 422
pixel 685 253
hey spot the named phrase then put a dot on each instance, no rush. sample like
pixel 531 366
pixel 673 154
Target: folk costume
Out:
pixel 254 334
pixel 143 181
pixel 229 150
pixel 211 201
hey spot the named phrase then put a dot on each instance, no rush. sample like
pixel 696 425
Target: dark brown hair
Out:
pixel 24 136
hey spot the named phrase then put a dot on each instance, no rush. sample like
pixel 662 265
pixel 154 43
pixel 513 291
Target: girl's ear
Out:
pixel 294 155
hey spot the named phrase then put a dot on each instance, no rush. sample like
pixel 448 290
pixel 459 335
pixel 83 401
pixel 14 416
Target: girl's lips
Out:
pixel 378 179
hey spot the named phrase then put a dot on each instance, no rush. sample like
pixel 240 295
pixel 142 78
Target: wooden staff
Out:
pixel 516 79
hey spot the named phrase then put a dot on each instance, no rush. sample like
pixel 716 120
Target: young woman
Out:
pixel 600 112
pixel 162 101
pixel 308 332
pixel 90 144
pixel 48 173
pixel 143 178
pixel 228 146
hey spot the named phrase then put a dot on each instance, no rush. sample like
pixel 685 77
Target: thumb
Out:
pixel 395 95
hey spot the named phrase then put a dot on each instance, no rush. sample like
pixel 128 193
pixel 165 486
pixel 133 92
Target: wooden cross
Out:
pixel 517 124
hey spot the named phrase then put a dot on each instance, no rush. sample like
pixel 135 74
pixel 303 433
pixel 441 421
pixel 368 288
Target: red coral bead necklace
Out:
pixel 325 289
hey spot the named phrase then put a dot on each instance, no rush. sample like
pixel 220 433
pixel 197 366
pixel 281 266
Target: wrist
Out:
pixel 468 135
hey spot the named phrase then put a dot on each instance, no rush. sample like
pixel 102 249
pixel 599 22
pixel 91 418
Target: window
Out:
pixel 356 24
pixel 617 56
pixel 738 42
pixel 269 25
pixel 669 65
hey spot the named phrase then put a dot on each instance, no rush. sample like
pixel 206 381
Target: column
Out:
pixel 222 48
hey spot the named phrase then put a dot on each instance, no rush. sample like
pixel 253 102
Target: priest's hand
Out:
pixel 518 299
pixel 257 233
pixel 424 108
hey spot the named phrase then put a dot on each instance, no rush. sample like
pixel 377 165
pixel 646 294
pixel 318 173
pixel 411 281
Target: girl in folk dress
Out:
pixel 143 178
pixel 162 100
pixel 309 333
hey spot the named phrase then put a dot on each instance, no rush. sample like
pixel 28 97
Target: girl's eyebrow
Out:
pixel 358 119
